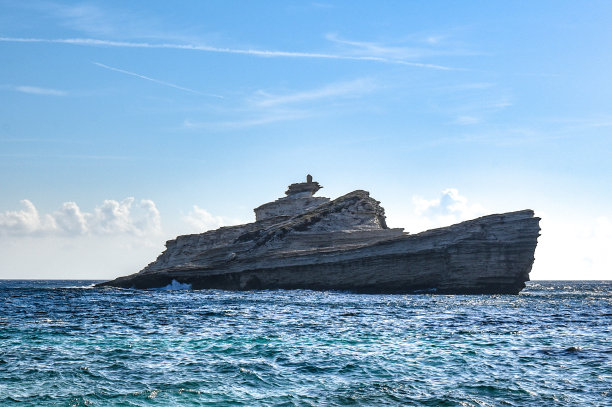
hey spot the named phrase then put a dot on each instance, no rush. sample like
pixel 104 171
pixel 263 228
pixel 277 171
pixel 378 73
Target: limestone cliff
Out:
pixel 313 243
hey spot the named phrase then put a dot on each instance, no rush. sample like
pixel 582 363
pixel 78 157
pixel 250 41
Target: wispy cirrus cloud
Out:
pixel 35 90
pixel 339 89
pixel 172 85
pixel 471 102
pixel 404 50
pixel 83 17
pixel 253 119
pixel 96 20
pixel 378 49
pixel 240 51
pixel 264 107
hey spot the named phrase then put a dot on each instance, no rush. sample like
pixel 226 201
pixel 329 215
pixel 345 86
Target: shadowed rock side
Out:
pixel 302 242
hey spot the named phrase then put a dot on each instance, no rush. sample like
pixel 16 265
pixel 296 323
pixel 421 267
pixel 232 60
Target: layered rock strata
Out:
pixel 302 242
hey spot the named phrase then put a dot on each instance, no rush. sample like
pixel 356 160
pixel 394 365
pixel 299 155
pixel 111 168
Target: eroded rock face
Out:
pixel 299 199
pixel 345 244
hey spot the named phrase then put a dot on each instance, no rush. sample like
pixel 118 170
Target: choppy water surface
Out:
pixel 63 344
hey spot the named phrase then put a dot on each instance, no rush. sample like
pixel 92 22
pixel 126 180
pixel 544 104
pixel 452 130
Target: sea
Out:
pixel 66 343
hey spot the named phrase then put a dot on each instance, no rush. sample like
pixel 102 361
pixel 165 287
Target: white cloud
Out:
pixel 449 208
pixel 149 220
pixel 355 87
pixel 377 49
pixel 113 216
pixel 200 220
pixel 26 220
pixel 70 219
pixel 258 118
pixel 34 90
pixel 399 54
pixel 110 218
pixel 206 48
pixel 450 203
pixel 94 20
pixel 264 108
pixel 83 17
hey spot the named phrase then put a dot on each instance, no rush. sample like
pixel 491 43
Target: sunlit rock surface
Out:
pixel 306 242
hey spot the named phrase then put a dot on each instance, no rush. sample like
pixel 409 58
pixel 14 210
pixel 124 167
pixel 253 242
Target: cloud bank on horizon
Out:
pixel 110 218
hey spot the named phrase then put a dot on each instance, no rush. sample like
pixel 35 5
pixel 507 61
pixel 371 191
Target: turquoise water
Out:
pixel 63 343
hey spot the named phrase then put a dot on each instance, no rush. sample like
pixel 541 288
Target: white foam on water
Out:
pixel 175 285
pixel 82 287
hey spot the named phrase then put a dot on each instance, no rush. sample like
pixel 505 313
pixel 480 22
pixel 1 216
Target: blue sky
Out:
pixel 124 124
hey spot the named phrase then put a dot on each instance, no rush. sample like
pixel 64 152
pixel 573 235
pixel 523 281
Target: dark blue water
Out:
pixel 64 344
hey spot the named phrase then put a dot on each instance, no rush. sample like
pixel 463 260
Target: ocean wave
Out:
pixel 175 285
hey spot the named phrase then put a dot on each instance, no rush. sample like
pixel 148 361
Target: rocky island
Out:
pixel 305 242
